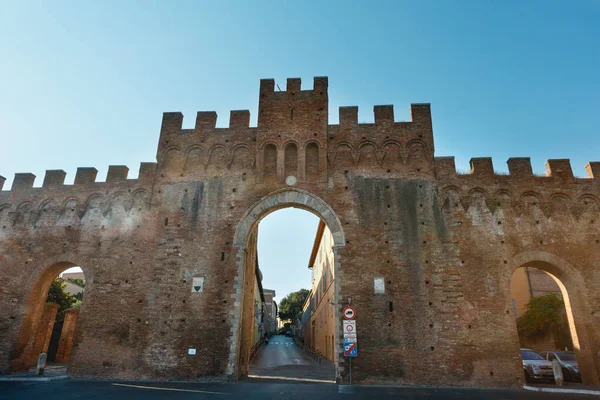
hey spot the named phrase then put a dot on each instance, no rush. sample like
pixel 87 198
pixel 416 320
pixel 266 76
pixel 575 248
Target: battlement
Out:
pixel 85 176
pixel 294 85
pixel 172 122
pixel 518 168
pixel 384 115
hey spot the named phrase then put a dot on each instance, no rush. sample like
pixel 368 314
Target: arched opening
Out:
pixel 51 318
pixel 549 322
pixel 270 162
pixel 315 328
pixel 312 161
pixel 291 160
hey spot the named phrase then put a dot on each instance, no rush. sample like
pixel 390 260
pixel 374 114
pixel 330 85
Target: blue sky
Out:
pixel 85 83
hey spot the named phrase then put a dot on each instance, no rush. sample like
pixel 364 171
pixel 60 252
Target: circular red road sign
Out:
pixel 349 312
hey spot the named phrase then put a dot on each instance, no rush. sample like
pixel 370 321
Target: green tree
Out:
pixel 290 306
pixel 57 295
pixel 77 281
pixel 546 315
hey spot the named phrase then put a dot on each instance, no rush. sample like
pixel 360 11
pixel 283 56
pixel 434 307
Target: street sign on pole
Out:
pixel 349 312
pixel 349 328
pixel 350 348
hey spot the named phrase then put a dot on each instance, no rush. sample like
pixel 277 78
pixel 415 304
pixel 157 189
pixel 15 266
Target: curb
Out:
pixel 557 390
pixel 33 378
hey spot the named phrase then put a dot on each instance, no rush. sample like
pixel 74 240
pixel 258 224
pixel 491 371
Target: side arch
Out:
pixel 574 291
pixel 33 301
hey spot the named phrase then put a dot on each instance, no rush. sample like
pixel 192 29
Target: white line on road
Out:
pixel 168 389
pixel 290 379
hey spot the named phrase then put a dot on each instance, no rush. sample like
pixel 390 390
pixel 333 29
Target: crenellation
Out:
pixel 239 119
pixel 293 85
pixel 206 120
pixel 559 168
pixel 23 181
pixel 348 116
pixel 592 169
pixel 267 86
pixel 482 166
pixel 85 175
pixel 54 178
pixel 445 167
pixel 420 113
pixel 384 114
pixel 172 122
pixel 147 172
pixel 519 167
pixel 2 180
pixel 320 84
pixel 117 173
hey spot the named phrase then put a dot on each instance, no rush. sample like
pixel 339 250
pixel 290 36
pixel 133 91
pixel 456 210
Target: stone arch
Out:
pixel 172 163
pixel 218 158
pixel 560 204
pixel 416 150
pixel 194 159
pixel 25 352
pixel 69 212
pixel 574 291
pixel 289 197
pixel 241 157
pixel 392 153
pixel 344 155
pixel 367 153
pixel 4 216
pixel 48 213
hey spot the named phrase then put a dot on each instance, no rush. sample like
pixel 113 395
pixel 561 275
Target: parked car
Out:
pixel 567 361
pixel 536 367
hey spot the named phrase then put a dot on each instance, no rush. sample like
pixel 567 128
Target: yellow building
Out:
pixel 318 326
pixel 530 282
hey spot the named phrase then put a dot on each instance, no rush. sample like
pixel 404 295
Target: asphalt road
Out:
pixel 96 390
pixel 283 359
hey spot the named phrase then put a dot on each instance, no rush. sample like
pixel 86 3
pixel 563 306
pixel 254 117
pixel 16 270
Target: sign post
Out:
pixel 350 337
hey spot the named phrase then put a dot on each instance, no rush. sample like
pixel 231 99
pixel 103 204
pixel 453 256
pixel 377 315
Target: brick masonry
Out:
pixel 445 243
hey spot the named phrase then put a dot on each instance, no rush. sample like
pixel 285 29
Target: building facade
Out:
pixel 270 311
pixel 425 252
pixel 318 322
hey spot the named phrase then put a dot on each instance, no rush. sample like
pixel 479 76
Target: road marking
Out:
pixel 168 389
pixel 291 379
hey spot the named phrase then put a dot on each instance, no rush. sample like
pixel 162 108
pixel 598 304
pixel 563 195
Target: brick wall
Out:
pixel 445 244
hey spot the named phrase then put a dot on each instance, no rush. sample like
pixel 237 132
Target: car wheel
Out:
pixel 567 375
pixel 527 377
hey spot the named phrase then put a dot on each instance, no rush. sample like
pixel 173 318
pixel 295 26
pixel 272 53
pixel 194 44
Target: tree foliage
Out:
pixel 57 295
pixel 290 306
pixel 77 281
pixel 545 315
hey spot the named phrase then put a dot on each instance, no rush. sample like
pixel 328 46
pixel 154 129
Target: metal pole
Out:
pixel 350 370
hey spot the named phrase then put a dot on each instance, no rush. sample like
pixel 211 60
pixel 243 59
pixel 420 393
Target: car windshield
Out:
pixel 566 356
pixel 530 355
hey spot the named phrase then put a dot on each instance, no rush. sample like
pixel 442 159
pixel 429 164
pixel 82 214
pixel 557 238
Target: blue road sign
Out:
pixel 350 348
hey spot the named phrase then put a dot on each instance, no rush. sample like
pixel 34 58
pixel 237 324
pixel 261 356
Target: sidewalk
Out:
pixel 55 372
pixel 569 387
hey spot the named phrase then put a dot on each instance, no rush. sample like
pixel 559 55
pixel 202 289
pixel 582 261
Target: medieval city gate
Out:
pixel 443 243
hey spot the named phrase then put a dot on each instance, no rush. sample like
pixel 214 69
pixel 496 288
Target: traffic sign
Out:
pixel 349 328
pixel 350 348
pixel 349 312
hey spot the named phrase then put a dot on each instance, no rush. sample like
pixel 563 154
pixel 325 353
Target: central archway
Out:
pixel 245 233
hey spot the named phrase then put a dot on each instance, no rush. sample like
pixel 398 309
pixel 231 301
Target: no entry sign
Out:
pixel 349 312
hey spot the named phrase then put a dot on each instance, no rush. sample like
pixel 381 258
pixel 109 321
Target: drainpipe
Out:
pixel 529 283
